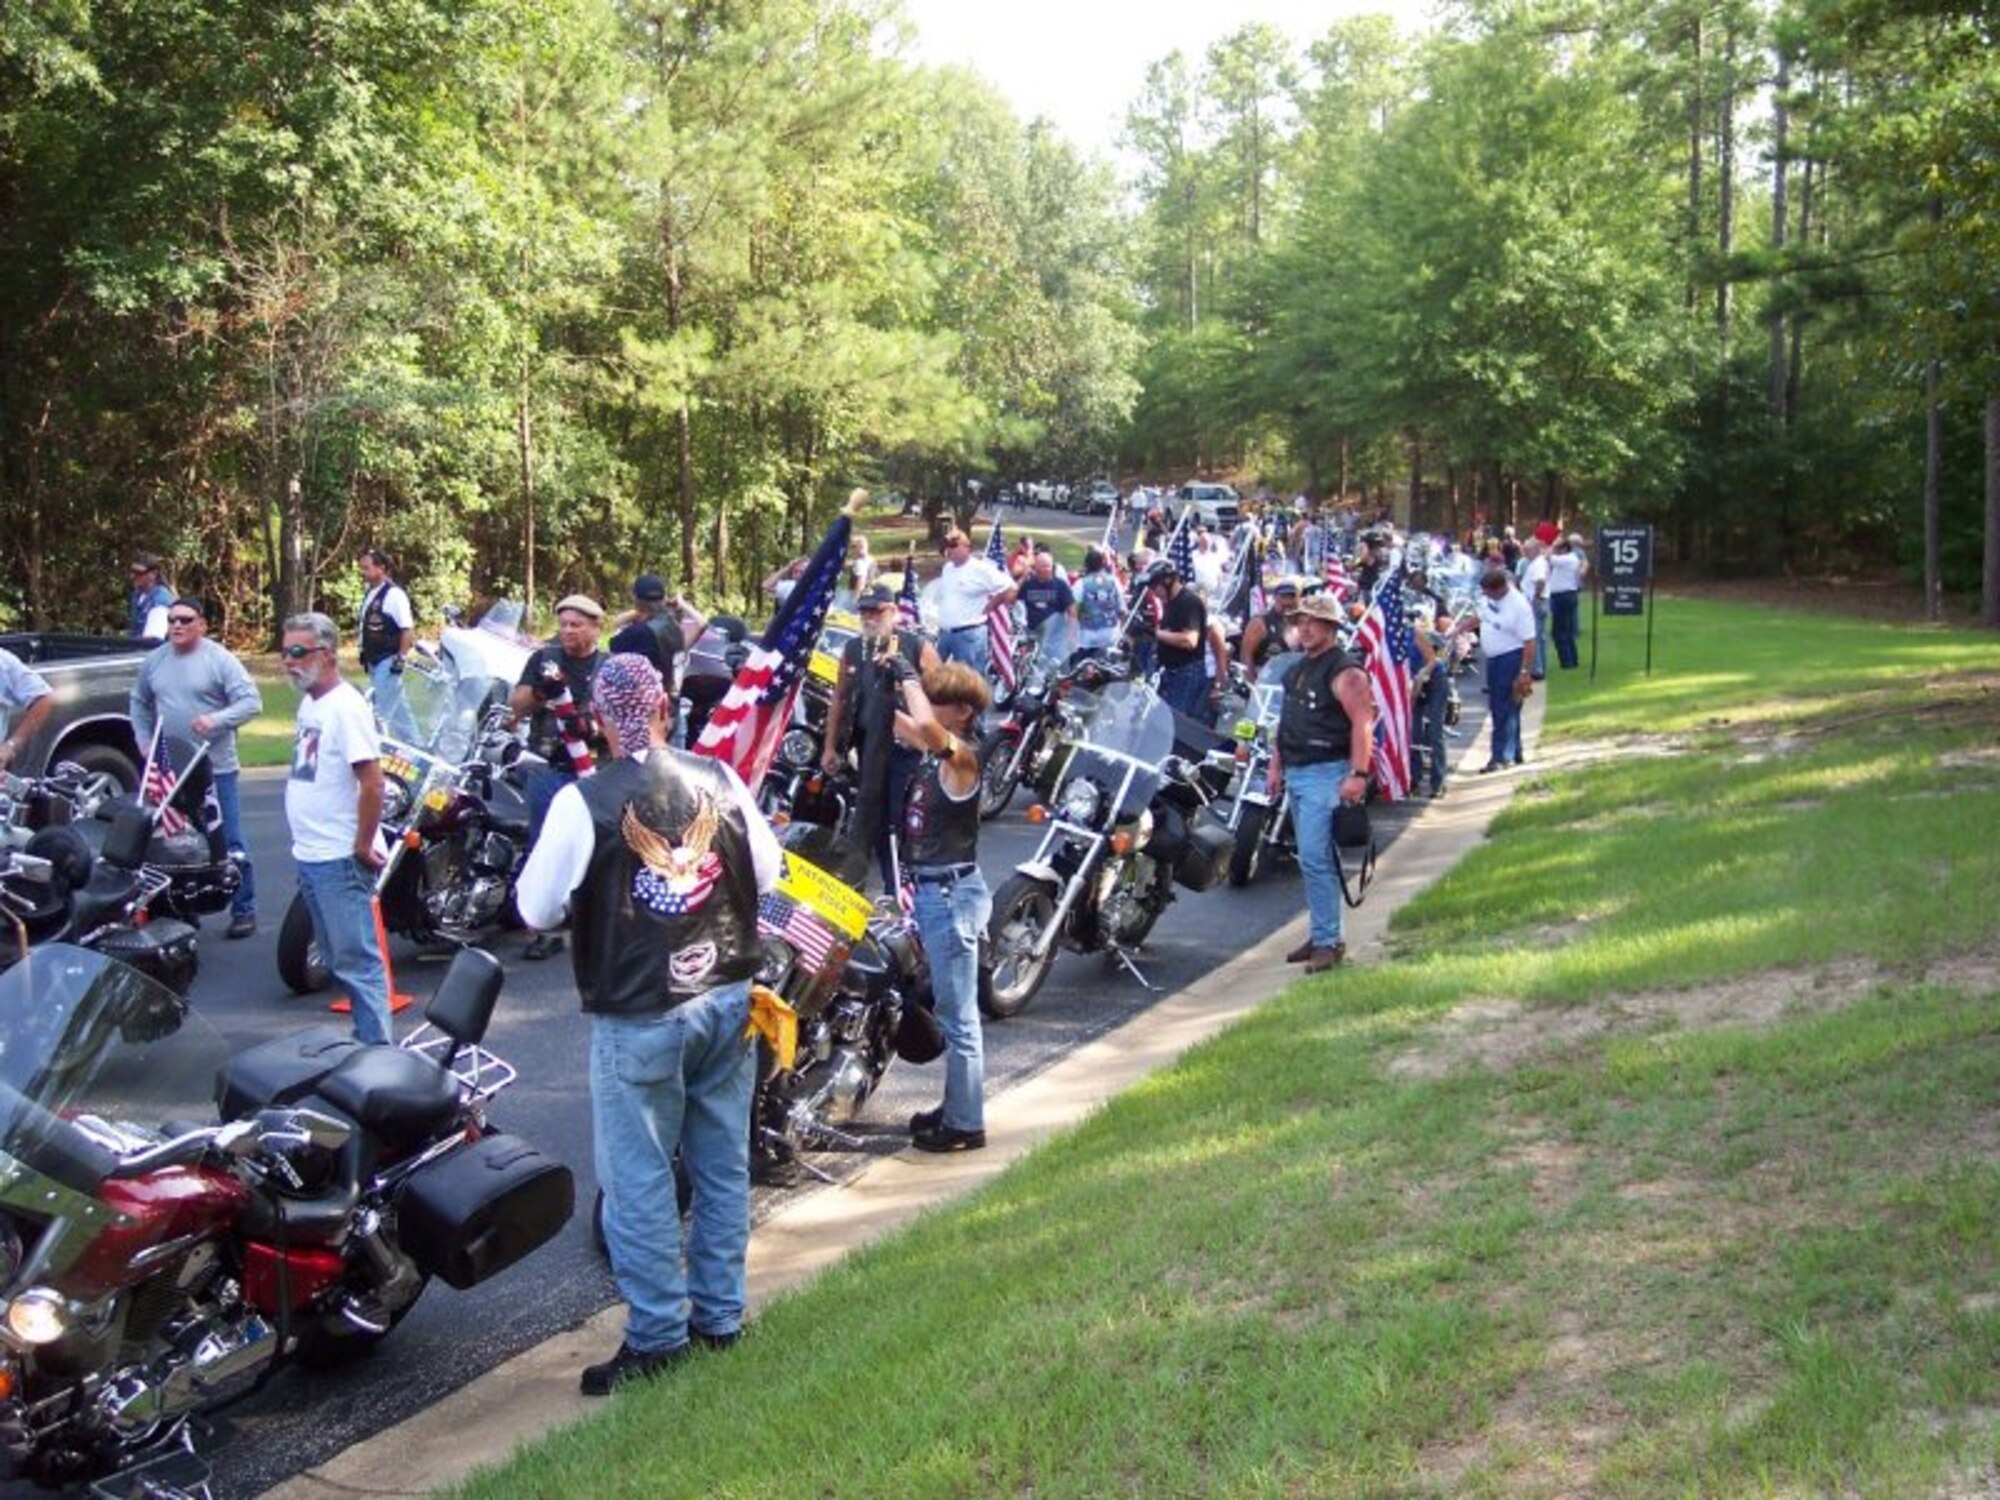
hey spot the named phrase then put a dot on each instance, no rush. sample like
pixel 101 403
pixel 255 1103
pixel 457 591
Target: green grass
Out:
pixel 267 739
pixel 1697 1195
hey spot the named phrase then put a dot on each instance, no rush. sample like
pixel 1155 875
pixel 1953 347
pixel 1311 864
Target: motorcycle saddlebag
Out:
pixel 163 950
pixel 281 1071
pixel 1204 863
pixel 472 1214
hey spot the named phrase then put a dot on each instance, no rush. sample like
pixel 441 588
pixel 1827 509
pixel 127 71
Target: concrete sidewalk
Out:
pixel 536 1391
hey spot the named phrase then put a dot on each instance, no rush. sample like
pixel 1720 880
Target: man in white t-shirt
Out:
pixel 967 585
pixel 1535 584
pixel 1566 570
pixel 333 802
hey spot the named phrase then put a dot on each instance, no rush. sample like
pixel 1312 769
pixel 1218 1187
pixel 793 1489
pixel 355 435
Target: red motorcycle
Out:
pixel 152 1269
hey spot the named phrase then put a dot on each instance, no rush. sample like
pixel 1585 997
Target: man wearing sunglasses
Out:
pixel 150 599
pixel 194 689
pixel 333 803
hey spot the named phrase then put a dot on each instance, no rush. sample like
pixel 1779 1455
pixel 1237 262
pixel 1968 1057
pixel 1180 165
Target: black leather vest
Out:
pixel 874 697
pixel 938 829
pixel 1274 636
pixel 379 634
pixel 668 908
pixel 1313 727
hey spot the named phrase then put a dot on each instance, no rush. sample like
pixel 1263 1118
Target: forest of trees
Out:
pixel 531 291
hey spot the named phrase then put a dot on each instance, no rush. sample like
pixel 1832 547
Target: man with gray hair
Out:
pixel 333 803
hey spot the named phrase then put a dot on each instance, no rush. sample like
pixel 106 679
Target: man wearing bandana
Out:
pixel 659 859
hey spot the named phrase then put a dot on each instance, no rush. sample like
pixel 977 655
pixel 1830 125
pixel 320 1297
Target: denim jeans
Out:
pixel 678 1079
pixel 1430 723
pixel 539 785
pixel 1315 791
pixel 1562 625
pixel 969 646
pixel 951 918
pixel 1501 671
pixel 392 709
pixel 1541 665
pixel 229 798
pixel 338 894
pixel 1184 689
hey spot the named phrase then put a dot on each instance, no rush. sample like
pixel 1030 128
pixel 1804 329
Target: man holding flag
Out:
pixel 968 587
pixel 1325 750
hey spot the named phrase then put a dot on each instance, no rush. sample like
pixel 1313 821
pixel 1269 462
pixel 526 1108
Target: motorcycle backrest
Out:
pixel 131 832
pixel 463 1006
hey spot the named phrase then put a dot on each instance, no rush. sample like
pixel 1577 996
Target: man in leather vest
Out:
pixel 659 859
pixel 388 631
pixel 1264 637
pixel 1325 748
pixel 863 710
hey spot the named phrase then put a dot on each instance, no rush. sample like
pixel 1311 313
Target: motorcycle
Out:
pixel 1025 744
pixel 153 1269
pixel 1260 828
pixel 457 835
pixel 1122 831
pixel 793 786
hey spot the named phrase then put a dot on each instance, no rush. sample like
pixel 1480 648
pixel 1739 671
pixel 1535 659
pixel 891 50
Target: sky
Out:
pixel 1082 62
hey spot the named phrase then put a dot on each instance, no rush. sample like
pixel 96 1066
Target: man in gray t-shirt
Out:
pixel 194 689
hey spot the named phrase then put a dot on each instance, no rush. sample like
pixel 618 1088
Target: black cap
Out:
pixel 649 588
pixel 881 596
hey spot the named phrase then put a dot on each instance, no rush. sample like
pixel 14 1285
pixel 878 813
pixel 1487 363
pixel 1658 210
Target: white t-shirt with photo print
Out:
pixel 336 732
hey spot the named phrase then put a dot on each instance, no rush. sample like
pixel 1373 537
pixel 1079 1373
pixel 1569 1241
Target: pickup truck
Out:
pixel 92 677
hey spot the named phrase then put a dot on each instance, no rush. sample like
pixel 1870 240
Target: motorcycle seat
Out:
pixel 102 898
pixel 400 1098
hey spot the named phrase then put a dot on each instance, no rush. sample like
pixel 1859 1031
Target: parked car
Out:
pixel 91 677
pixel 1216 505
pixel 1094 499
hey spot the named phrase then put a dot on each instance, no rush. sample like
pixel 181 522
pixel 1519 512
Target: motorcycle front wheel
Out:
pixel 299 962
pixel 999 772
pixel 1247 857
pixel 1022 909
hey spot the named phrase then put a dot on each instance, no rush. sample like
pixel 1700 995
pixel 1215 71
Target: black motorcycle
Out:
pixel 1025 745
pixel 1123 828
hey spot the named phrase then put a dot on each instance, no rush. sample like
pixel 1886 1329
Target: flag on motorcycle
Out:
pixel 1180 551
pixel 747 724
pixel 1000 617
pixel 909 614
pixel 1385 639
pixel 159 785
pixel 1337 580
pixel 1246 581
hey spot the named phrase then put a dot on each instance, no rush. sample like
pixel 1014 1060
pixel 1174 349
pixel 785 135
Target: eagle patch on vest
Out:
pixel 673 878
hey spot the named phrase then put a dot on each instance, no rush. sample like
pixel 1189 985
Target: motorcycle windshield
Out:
pixel 94 1057
pixel 476 669
pixel 1125 736
pixel 1267 698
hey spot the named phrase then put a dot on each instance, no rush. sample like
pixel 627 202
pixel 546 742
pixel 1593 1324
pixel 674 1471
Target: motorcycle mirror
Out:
pixel 33 867
pixel 323 1131
pixel 453 615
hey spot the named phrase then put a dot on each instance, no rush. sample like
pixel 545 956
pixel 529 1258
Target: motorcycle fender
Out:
pixel 1261 797
pixel 1040 870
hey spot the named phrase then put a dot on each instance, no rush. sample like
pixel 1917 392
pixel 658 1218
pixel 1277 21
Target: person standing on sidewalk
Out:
pixel 1506 627
pixel 1535 584
pixel 388 632
pixel 333 803
pixel 940 714
pixel 659 859
pixel 1324 751
pixel 195 689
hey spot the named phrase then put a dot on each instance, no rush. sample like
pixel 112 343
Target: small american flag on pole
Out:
pixel 778 915
pixel 909 613
pixel 1180 551
pixel 1000 617
pixel 159 786
pixel 1337 581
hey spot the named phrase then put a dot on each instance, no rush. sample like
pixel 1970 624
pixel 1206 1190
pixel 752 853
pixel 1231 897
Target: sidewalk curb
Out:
pixel 535 1392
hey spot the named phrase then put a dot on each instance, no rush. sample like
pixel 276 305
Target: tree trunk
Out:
pixel 1989 594
pixel 1780 171
pixel 1416 482
pixel 670 261
pixel 1342 493
pixel 524 441
pixel 1697 111
pixel 1933 483
pixel 1725 183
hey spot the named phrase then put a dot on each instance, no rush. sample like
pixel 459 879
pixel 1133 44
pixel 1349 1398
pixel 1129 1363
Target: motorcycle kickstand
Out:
pixel 792 1157
pixel 1134 970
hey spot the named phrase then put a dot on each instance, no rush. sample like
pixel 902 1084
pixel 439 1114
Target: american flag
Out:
pixel 1386 640
pixel 747 724
pixel 1114 543
pixel 908 612
pixel 1337 580
pixel 778 915
pixel 1000 617
pixel 1180 551
pixel 1241 594
pixel 159 785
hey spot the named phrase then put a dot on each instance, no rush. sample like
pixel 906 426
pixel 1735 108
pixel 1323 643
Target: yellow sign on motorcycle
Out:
pixel 842 907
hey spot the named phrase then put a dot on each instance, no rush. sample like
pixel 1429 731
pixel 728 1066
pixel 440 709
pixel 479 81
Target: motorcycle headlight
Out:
pixel 1081 801
pixel 395 800
pixel 796 748
pixel 38 1316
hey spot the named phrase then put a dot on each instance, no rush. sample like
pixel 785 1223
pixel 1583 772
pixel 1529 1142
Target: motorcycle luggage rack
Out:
pixel 482 1074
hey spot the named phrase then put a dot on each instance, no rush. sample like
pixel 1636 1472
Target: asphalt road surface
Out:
pixel 303 1417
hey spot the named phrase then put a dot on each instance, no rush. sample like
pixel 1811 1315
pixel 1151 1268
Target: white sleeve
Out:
pixel 765 855
pixel 156 623
pixel 396 605
pixel 558 862
pixel 354 732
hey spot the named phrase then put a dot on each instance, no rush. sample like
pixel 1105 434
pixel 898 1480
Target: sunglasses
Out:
pixel 299 653
pixel 182 619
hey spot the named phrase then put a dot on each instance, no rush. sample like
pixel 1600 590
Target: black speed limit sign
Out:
pixel 1625 578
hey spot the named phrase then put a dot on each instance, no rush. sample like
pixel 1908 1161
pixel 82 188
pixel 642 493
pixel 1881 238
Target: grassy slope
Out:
pixel 1659 1163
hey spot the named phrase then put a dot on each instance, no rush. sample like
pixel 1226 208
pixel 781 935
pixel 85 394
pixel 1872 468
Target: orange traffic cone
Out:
pixel 398 1002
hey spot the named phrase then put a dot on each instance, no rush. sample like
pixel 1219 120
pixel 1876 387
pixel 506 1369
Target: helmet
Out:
pixel 1158 572
pixel 1377 536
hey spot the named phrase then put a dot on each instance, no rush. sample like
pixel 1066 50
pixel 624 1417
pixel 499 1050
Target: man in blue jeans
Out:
pixel 659 859
pixel 1325 748
pixel 1506 627
pixel 333 802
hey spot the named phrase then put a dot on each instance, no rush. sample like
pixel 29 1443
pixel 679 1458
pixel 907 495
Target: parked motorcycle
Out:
pixel 1024 745
pixel 154 1269
pixel 458 837
pixel 1260 827
pixel 1121 832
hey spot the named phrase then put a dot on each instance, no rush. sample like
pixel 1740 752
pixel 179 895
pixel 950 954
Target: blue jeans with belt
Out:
pixel 677 1079
pixel 1501 671
pixel 1185 689
pixel 951 918
pixel 1315 792
pixel 392 709
pixel 968 644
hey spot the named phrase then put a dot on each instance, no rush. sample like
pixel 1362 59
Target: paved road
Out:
pixel 303 1417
